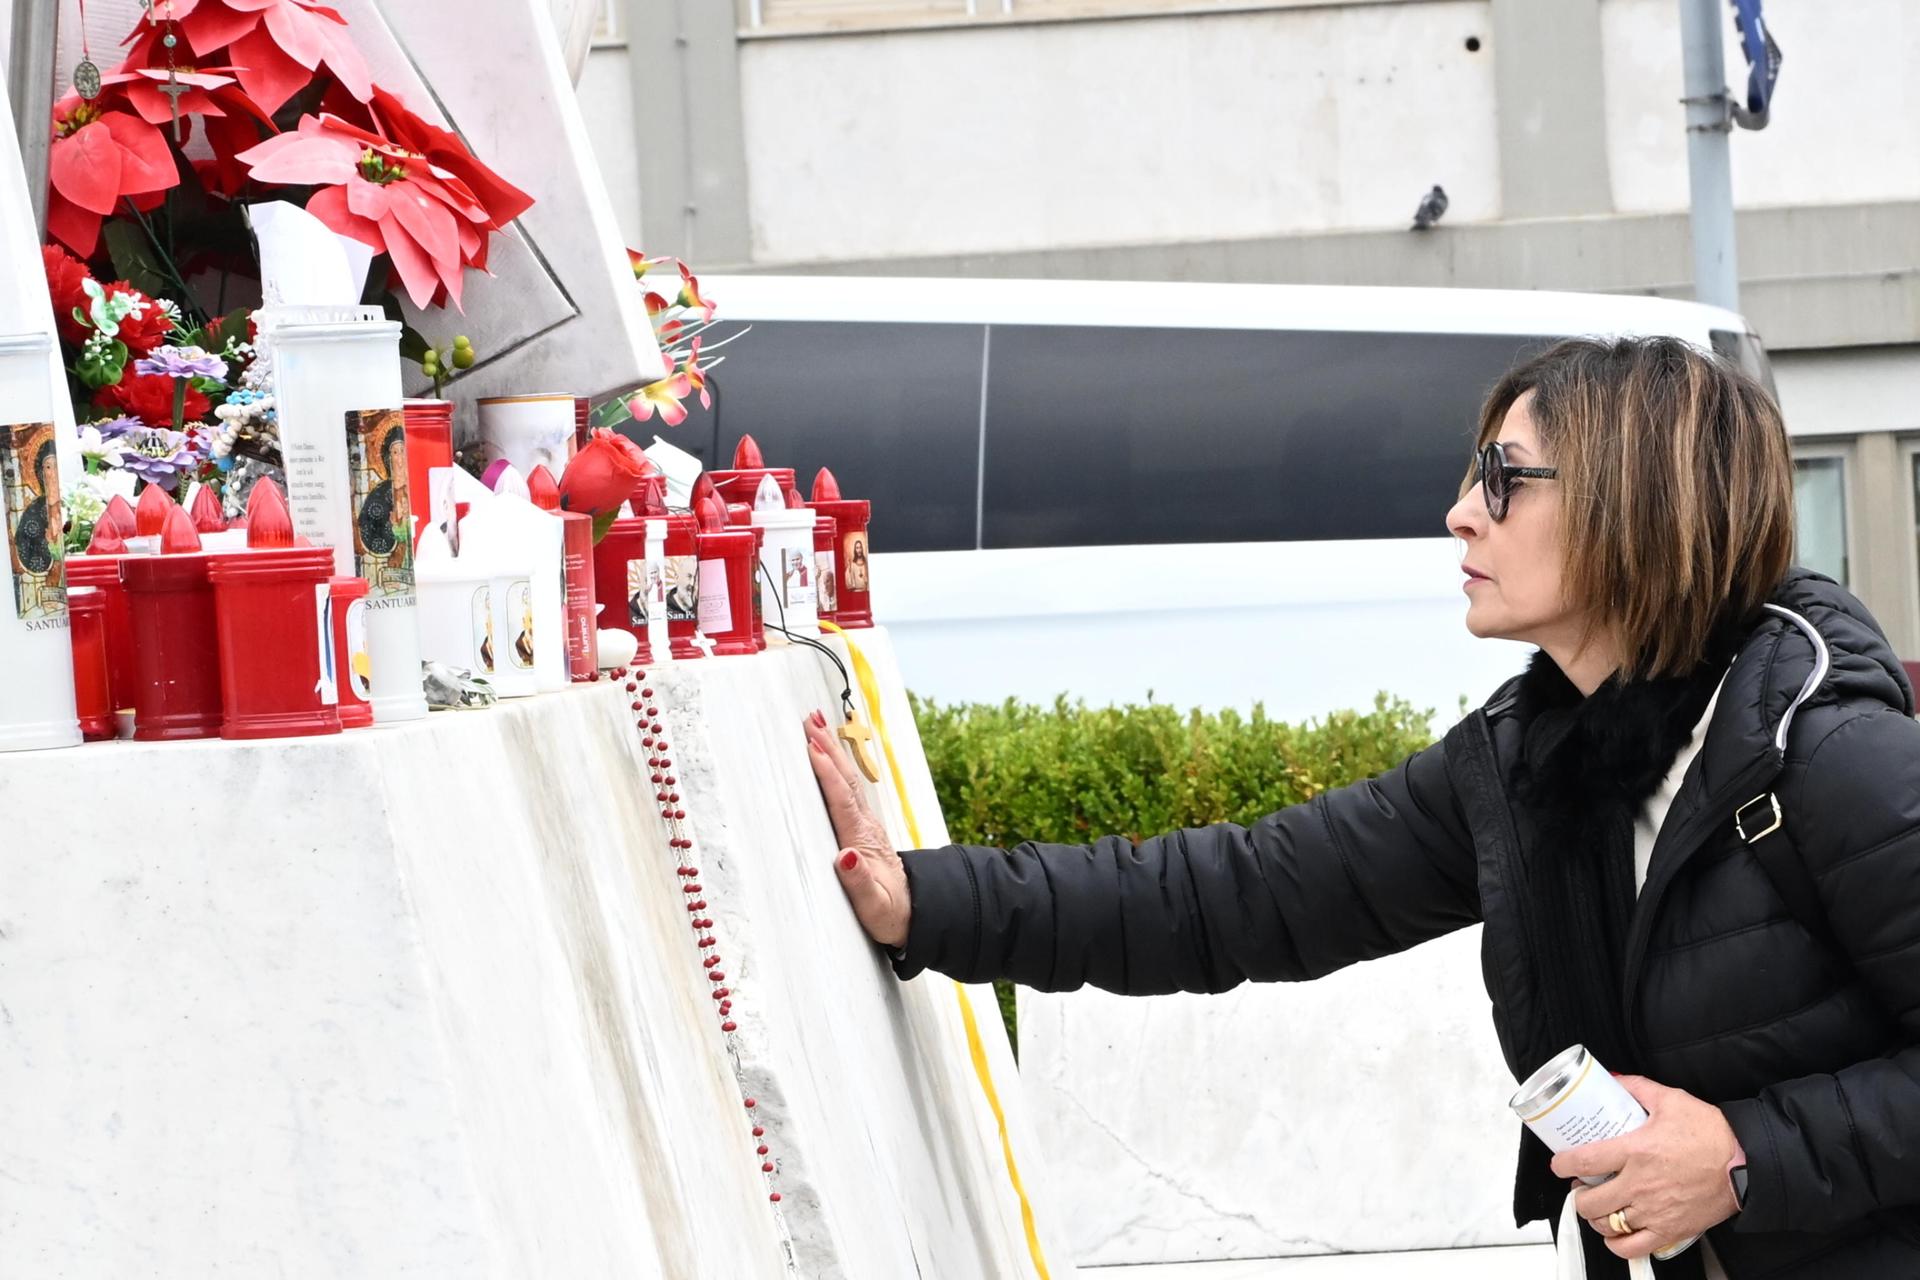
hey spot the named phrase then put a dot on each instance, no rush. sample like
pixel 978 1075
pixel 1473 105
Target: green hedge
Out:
pixel 1070 773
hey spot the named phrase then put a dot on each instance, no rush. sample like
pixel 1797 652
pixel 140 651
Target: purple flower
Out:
pixel 160 456
pixel 182 362
pixel 120 426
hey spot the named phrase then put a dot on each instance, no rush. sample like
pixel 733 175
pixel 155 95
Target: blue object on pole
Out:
pixel 1763 64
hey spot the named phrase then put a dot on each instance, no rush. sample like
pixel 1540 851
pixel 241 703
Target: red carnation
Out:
pixel 150 330
pixel 65 275
pixel 148 397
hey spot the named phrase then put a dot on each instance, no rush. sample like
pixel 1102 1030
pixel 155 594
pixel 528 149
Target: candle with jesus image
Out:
pixel 382 524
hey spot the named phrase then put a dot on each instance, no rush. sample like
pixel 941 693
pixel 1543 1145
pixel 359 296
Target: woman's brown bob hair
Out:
pixel 1676 489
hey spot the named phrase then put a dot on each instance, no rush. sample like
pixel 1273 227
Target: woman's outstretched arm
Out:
pixel 1364 871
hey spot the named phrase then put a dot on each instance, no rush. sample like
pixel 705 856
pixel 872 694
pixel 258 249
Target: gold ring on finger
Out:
pixel 1618 1221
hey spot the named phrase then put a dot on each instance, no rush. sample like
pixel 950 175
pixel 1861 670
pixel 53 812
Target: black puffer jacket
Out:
pixel 1810 1046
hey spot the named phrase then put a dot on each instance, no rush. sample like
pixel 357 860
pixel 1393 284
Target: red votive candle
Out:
pixel 683 586
pixel 728 559
pixel 176 647
pixel 429 442
pixel 741 481
pixel 102 572
pixel 352 669
pixel 826 575
pixel 578 581
pixel 620 583
pixel 87 610
pixel 271 611
pixel 851 586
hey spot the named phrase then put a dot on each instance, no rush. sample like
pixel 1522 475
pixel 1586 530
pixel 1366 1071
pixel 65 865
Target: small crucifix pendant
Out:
pixel 173 89
pixel 858 735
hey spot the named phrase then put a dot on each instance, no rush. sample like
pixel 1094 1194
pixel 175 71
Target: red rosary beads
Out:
pixel 646 719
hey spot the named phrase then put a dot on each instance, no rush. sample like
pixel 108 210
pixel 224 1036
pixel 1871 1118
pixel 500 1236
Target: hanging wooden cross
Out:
pixel 858 735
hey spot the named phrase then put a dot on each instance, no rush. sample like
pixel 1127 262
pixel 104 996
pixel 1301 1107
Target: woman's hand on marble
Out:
pixel 869 869
pixel 1672 1170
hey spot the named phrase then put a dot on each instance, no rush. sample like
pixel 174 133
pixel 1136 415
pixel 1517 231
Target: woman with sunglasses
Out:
pixel 1691 828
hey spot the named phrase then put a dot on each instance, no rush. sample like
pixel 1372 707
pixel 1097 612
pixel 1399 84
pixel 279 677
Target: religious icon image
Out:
pixel 638 573
pixel 383 517
pixel 683 589
pixel 796 575
pixel 854 570
pixel 359 664
pixel 36 526
pixel 483 629
pixel 520 612
pixel 829 583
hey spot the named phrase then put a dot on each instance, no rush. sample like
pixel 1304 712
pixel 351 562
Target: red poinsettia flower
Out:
pixel 150 328
pixel 422 212
pixel 448 154
pixel 148 397
pixel 275 45
pixel 232 121
pixel 101 156
pixel 65 276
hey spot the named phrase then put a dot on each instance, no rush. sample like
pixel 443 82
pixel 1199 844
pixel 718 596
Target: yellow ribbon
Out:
pixel 976 1048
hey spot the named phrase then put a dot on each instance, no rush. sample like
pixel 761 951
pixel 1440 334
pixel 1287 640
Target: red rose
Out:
pixel 150 330
pixel 65 275
pixel 149 397
pixel 603 475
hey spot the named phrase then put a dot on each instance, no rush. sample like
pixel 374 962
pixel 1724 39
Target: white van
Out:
pixel 1216 494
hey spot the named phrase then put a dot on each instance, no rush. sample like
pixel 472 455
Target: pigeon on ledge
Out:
pixel 1432 206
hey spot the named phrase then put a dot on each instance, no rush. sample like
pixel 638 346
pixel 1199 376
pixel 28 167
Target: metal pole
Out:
pixel 1716 267
pixel 30 52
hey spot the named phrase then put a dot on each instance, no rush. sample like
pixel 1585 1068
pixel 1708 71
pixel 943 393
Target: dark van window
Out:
pixel 1118 436
pixel 893 409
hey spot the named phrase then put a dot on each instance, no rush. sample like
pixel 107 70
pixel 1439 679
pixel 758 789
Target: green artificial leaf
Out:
pixel 413 344
pixel 602 523
pixel 134 260
pixel 104 366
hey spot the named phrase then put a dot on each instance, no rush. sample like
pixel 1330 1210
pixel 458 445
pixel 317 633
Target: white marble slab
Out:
pixel 423 1001
pixel 894 1164
pixel 1362 1113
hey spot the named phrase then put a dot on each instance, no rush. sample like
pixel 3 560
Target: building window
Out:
pixel 1820 515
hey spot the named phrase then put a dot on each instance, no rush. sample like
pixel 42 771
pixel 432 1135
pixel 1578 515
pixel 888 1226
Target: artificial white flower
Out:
pixel 94 448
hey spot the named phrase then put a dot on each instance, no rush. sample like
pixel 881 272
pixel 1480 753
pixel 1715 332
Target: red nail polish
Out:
pixel 849 860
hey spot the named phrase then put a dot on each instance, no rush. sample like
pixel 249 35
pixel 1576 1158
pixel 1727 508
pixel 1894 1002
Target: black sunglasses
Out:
pixel 1498 479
